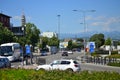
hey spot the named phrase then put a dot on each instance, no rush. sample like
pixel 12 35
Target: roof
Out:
pixel 1 14
pixel 2 57
pixel 10 44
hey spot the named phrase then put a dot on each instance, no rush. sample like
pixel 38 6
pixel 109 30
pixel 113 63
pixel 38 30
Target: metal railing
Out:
pixel 100 60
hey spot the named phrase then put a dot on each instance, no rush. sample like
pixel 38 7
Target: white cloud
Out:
pixel 105 23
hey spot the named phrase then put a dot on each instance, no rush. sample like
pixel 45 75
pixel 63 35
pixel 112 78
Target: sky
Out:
pixel 43 13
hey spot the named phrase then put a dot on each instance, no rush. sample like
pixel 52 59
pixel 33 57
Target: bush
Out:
pixel 22 74
pixel 94 54
pixel 114 56
pixel 114 52
pixel 102 52
pixel 114 64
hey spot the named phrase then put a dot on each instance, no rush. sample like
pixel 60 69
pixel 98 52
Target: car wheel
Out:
pixel 41 69
pixel 70 70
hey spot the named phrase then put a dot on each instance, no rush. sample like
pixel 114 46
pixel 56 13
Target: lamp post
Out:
pixel 58 26
pixel 84 22
pixel 23 50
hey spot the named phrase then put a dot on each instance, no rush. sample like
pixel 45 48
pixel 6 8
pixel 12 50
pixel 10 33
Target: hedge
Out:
pixel 22 74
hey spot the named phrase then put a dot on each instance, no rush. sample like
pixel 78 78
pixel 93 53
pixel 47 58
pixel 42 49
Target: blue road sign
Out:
pixel 28 51
pixel 92 46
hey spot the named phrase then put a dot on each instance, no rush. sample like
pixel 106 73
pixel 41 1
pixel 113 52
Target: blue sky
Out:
pixel 43 13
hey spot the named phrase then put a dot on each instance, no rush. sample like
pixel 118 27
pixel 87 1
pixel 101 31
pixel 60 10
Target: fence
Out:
pixel 100 60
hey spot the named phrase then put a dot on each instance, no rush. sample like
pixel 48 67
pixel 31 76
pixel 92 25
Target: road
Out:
pixel 84 66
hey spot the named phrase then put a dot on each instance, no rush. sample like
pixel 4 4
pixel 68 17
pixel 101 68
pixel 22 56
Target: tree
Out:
pixel 44 42
pixel 31 34
pixel 70 45
pixel 53 41
pixel 22 40
pixel 80 43
pixel 80 40
pixel 108 41
pixel 6 35
pixel 98 39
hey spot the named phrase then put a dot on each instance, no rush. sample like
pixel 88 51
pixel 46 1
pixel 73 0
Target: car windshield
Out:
pixel 3 59
pixel 6 50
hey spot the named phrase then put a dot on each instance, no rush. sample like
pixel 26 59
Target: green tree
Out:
pixel 53 41
pixel 6 35
pixel 119 43
pixel 44 42
pixel 31 34
pixel 70 45
pixel 80 40
pixel 80 43
pixel 22 40
pixel 98 39
pixel 108 41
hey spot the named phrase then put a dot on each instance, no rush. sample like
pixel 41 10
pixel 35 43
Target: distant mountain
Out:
pixel 113 34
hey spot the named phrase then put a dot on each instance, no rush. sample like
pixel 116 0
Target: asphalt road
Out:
pixel 84 66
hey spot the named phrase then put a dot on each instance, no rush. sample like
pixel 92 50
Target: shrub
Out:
pixel 114 56
pixel 22 74
pixel 94 54
pixel 114 64
pixel 114 52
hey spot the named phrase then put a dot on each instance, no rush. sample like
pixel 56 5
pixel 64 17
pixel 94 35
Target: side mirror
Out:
pixel 51 64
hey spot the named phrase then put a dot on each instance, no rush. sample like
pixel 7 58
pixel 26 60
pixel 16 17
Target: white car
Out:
pixel 69 52
pixel 63 64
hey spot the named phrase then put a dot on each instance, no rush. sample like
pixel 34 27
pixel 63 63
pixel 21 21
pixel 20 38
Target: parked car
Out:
pixel 5 61
pixel 2 65
pixel 70 52
pixel 43 53
pixel 63 64
pixel 65 53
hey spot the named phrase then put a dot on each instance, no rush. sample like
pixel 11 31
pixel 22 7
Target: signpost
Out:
pixel 91 47
pixel 28 51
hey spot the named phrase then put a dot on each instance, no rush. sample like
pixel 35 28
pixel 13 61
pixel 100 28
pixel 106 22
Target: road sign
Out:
pixel 92 46
pixel 28 50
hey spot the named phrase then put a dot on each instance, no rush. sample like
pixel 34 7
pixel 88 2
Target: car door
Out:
pixel 64 65
pixel 55 64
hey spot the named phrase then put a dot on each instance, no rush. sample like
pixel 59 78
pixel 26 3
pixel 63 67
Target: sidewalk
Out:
pixel 33 66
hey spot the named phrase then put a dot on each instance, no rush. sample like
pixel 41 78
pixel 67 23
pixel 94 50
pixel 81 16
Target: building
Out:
pixel 20 30
pixel 5 20
pixel 17 30
pixel 49 34
pixel 23 20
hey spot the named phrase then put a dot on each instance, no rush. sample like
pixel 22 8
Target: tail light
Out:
pixel 76 65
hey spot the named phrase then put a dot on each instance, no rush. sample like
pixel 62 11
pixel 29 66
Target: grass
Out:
pixel 24 74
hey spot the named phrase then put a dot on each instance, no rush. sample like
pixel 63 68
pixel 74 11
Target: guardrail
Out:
pixel 99 60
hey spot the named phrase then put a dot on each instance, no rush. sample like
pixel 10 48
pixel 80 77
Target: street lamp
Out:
pixel 23 34
pixel 84 22
pixel 58 26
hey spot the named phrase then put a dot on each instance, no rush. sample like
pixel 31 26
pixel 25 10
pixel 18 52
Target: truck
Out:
pixel 53 49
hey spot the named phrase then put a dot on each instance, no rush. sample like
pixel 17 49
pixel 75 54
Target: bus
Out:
pixel 10 50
